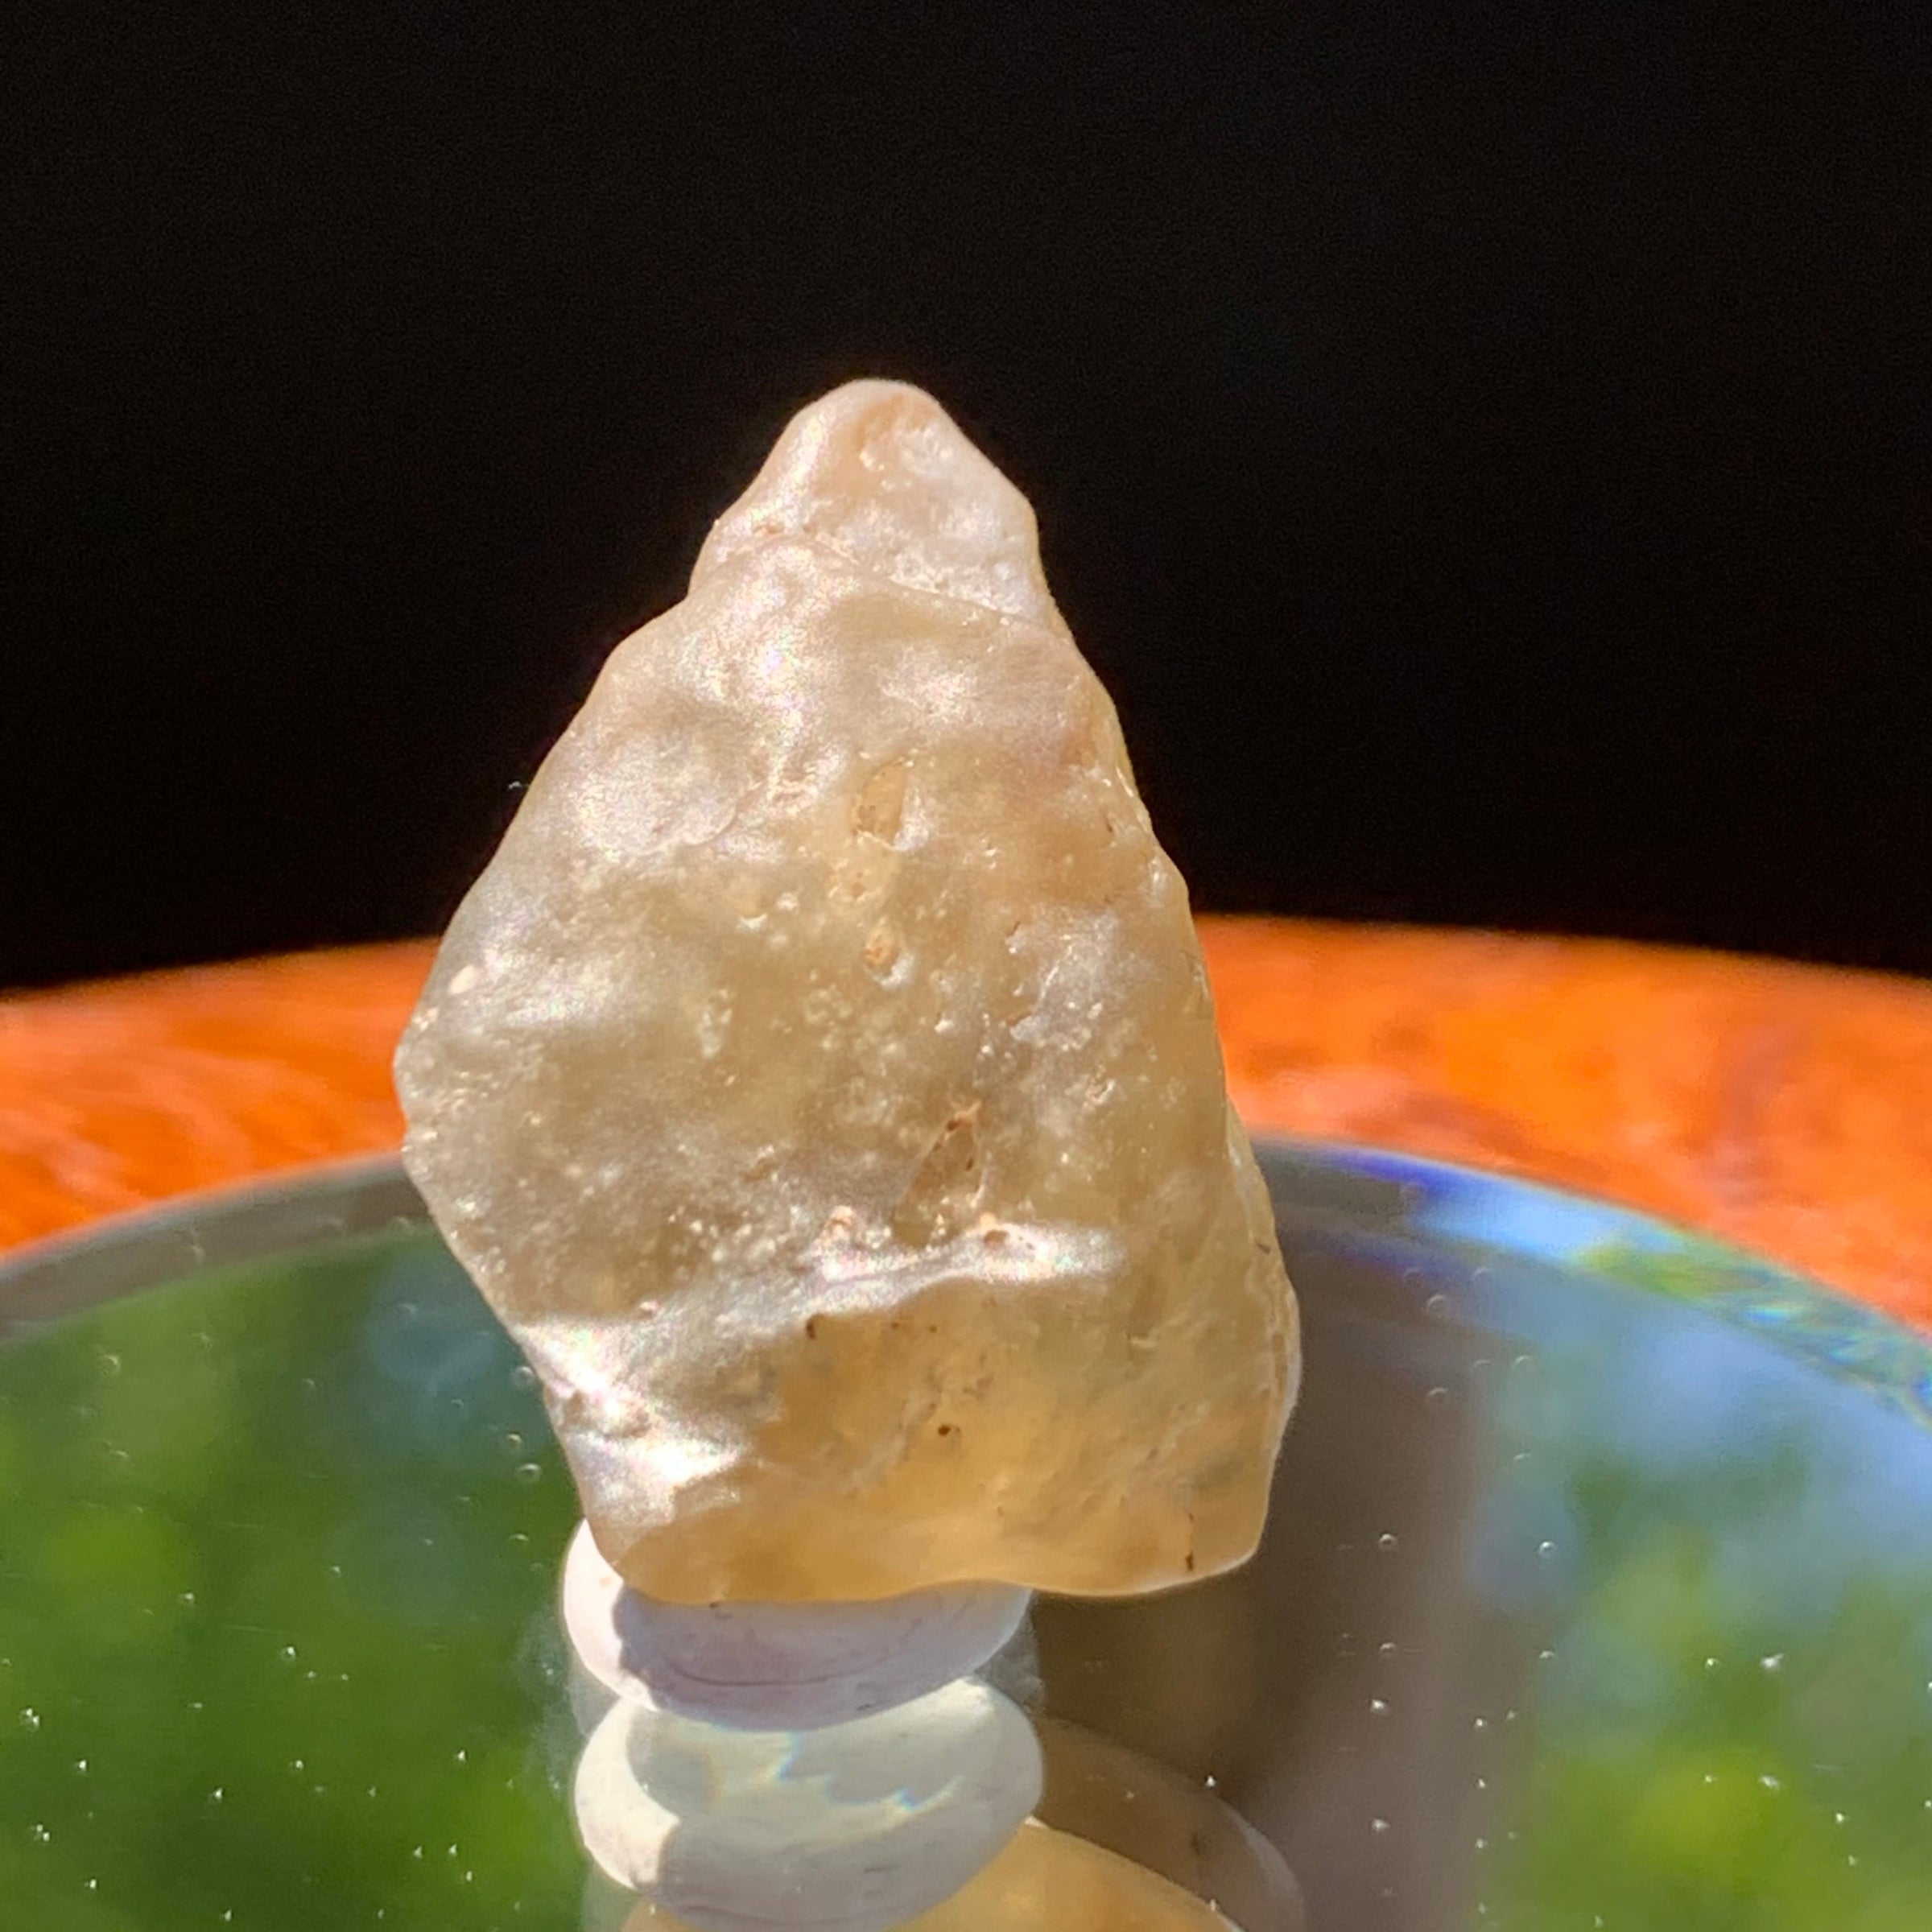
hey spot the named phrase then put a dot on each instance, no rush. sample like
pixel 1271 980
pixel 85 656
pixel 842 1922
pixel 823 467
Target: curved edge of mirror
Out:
pixel 1327 1184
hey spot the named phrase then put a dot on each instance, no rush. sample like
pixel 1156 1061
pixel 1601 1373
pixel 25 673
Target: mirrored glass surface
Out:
pixel 1597 1593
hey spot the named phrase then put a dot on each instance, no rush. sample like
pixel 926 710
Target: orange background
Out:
pixel 1785 1108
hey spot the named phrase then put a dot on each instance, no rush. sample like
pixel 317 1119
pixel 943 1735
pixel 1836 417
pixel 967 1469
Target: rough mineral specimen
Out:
pixel 821 1081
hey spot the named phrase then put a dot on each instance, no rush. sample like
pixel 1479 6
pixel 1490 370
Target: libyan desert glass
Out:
pixel 1597 1592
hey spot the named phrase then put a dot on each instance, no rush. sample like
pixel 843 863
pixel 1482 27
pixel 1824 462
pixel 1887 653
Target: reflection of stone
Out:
pixel 1170 1824
pixel 778 1667
pixel 1044 1881
pixel 880 1821
pixel 1386 1708
pixel 855 1827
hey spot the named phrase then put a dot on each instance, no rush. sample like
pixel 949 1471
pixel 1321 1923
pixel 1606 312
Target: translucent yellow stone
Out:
pixel 821 1081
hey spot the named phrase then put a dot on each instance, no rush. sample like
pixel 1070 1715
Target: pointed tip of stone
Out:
pixel 877 471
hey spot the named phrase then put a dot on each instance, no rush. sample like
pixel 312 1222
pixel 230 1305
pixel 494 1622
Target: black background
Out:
pixel 1484 448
